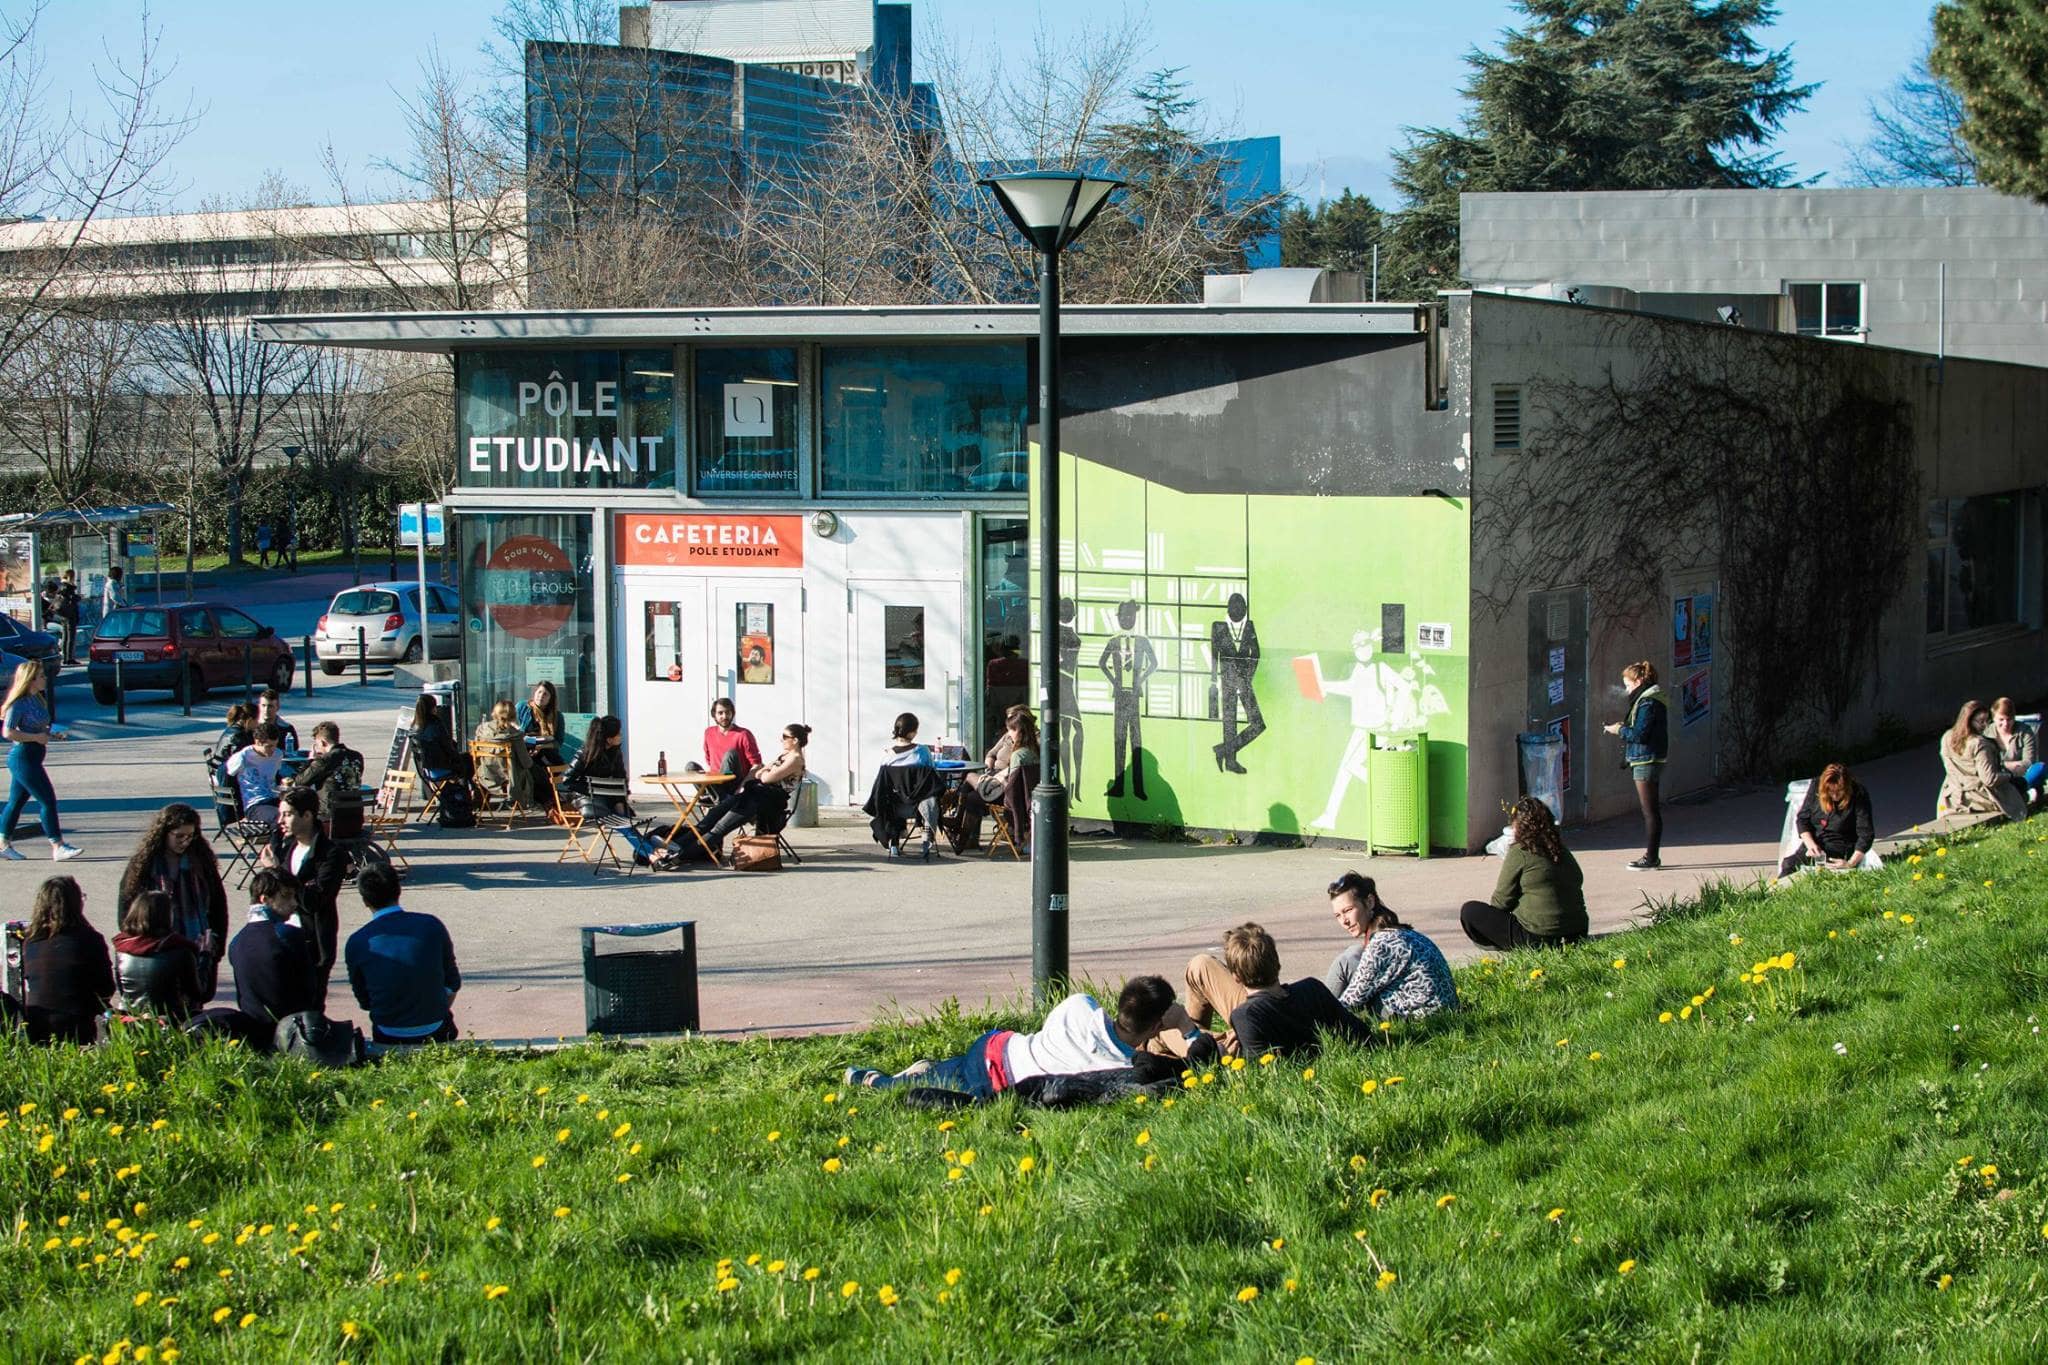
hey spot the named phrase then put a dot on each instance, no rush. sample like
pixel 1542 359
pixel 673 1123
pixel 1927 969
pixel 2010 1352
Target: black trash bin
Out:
pixel 642 988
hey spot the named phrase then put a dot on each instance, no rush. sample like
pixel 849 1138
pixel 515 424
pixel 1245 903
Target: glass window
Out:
pixel 235 626
pixel 127 622
pixel 664 627
pixel 925 419
pixel 745 436
pixel 365 602
pixel 1974 572
pixel 903 648
pixel 754 647
pixel 565 419
pixel 1832 309
pixel 195 624
pixel 1005 623
pixel 530 610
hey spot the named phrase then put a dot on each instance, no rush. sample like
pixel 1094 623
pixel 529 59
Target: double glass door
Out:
pixel 700 639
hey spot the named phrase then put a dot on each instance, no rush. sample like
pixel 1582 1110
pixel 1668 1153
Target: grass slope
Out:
pixel 1843 1160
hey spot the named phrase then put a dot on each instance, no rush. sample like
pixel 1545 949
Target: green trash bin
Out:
pixel 642 988
pixel 1398 817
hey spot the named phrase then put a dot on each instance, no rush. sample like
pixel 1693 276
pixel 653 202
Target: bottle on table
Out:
pixel 661 764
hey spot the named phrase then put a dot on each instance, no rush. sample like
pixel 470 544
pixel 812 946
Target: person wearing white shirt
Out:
pixel 255 772
pixel 1079 1035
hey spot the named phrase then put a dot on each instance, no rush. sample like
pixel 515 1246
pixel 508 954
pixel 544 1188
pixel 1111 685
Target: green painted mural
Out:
pixel 1230 655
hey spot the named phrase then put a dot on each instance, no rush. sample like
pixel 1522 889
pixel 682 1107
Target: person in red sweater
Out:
pixel 729 748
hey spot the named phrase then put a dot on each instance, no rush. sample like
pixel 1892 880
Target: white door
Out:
pixel 757 652
pixel 906 657
pixel 665 636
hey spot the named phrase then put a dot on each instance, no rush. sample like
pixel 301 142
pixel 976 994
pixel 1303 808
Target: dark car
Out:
pixel 188 647
pixel 20 642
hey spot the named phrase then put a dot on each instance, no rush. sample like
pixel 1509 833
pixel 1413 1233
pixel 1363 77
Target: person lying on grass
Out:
pixel 1393 971
pixel 1276 1018
pixel 1079 1035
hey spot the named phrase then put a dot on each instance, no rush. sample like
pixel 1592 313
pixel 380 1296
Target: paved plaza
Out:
pixel 849 935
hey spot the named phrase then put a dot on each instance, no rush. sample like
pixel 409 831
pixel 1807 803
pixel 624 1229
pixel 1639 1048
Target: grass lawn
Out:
pixel 1627 1151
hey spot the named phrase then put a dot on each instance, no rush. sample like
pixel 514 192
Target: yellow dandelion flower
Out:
pixel 1593 1056
pixel 562 1135
pixel 1266 1060
pixel 621 1131
pixel 1026 1165
pixel 1535 973
pixel 622 1177
pixel 967 1157
pixel 1368 1085
pixel 1248 1293
pixel 727 1284
pixel 1554 1214
pixel 1905 919
pixel 1941 853
pixel 946 1125
pixel 775 1135
pixel 1144 1136
pixel 832 1097
pixel 351 1330
pixel 1376 1198
pixel 143 1297
pixel 955 1173
pixel 540 1161
pixel 1386 1280
pixel 1665 1017
pixel 833 1165
pixel 1619 963
pixel 888 1295
pixel 1278 1242
pixel 953 1276
pixel 493 1223
pixel 496 1291
pixel 1308 1073
pixel 561 1210
pixel 1944 1282
pixel 221 1315
pixel 1685 1012
pixel 245 1320
pixel 849 1289
pixel 810 1272
pixel 1627 1267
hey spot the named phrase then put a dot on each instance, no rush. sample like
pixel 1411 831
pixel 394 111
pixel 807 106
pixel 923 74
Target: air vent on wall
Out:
pixel 1507 417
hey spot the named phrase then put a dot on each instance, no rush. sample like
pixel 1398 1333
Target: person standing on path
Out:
pixel 1645 739
pixel 25 724
pixel 113 593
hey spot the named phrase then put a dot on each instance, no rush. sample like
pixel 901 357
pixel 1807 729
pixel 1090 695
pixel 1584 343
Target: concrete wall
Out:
pixel 1977 428
pixel 1736 242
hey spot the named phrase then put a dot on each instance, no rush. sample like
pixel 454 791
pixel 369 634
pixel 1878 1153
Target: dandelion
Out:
pixel 1554 1215
pixel 832 1097
pixel 1665 1017
pixel 1735 939
pixel 561 1210
pixel 562 1135
pixel 1386 1281
pixel 1698 1000
pixel 493 1223
pixel 1941 853
pixel 622 1177
pixel 727 1284
pixel 1026 1164
pixel 1368 1085
pixel 351 1330
pixel 246 1320
pixel 810 1272
pixel 1357 1162
pixel 1593 1056
pixel 955 1174
pixel 849 1289
pixel 1535 973
pixel 946 1125
pixel 1445 1201
pixel 142 1298
pixel 1685 1012
pixel 775 1135
pixel 967 1157
pixel 1564 1042
pixel 1278 1243
pixel 1376 1198
pixel 496 1291
pixel 540 1161
pixel 1626 1268
pixel 888 1295
pixel 1308 1073
pixel 1144 1136
pixel 621 1131
pixel 221 1315
pixel 1944 1282
pixel 1248 1293
pixel 953 1276
pixel 833 1165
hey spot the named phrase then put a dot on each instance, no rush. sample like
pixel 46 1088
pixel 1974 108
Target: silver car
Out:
pixel 388 617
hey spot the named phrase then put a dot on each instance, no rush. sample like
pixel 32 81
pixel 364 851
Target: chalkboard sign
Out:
pixel 1393 628
pixel 400 758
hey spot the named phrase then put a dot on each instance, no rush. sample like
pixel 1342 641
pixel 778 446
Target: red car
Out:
pixel 187 647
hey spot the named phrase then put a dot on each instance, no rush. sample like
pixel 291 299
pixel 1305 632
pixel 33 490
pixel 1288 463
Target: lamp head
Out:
pixel 1051 208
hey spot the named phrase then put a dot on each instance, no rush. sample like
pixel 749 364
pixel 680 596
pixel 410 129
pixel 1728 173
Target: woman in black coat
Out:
pixel 67 974
pixel 156 968
pixel 315 865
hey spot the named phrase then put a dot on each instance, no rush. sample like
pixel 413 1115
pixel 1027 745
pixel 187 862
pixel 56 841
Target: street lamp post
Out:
pixel 1051 209
pixel 290 548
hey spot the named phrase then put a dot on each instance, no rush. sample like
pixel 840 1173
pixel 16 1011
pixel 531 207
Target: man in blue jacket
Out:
pixel 401 966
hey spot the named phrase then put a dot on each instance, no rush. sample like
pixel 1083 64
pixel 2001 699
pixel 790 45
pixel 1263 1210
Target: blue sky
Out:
pixel 1335 79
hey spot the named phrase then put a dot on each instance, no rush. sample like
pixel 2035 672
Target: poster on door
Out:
pixel 1681 631
pixel 1696 697
pixel 1703 628
pixel 755 649
pixel 1562 728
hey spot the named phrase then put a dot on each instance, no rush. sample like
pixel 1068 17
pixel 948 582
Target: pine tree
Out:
pixel 1996 53
pixel 1599 95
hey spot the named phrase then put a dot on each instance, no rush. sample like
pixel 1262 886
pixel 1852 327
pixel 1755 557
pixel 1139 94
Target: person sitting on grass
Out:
pixel 276 962
pixel 1078 1035
pixel 67 976
pixel 1974 778
pixel 2017 747
pixel 401 966
pixel 1393 971
pixel 1540 899
pixel 1834 824
pixel 1276 1018
pixel 156 968
pixel 255 772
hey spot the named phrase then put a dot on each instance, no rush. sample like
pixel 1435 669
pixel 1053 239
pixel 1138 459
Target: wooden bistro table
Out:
pixel 687 791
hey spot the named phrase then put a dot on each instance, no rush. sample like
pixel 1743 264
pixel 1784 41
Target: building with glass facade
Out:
pixel 1294 539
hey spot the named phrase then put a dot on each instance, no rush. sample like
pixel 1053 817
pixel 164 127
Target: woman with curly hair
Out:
pixel 174 858
pixel 1540 899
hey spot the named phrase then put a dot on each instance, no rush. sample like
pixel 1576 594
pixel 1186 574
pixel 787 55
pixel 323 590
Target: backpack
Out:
pixel 316 1038
pixel 457 809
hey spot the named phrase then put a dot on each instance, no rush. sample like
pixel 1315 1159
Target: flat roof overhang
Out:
pixel 664 327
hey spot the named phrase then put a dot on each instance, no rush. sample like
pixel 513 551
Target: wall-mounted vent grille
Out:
pixel 1507 416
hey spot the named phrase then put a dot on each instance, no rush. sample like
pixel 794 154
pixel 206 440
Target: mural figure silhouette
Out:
pixel 1386 698
pixel 1127 661
pixel 1234 646
pixel 1070 698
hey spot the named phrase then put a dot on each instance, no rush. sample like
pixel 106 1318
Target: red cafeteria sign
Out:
pixel 701 540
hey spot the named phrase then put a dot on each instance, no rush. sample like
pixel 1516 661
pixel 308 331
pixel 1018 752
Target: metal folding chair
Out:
pixel 605 791
pixel 245 839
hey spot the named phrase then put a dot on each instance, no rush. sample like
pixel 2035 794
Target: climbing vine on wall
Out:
pixel 1784 463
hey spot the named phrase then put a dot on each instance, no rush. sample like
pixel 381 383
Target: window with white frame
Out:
pixel 1828 308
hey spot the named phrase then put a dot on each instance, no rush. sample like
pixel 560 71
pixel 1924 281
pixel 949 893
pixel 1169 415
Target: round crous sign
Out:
pixel 530 585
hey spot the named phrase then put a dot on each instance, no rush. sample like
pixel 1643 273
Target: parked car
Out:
pixel 388 614
pixel 1006 471
pixel 20 642
pixel 188 647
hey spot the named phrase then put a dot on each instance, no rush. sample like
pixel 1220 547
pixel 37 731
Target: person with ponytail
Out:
pixel 1645 739
pixel 1394 971
pixel 765 797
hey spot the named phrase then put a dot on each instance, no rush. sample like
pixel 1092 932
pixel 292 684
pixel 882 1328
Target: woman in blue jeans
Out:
pixel 25 724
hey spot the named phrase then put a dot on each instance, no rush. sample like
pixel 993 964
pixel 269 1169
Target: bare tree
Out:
pixel 74 399
pixel 72 167
pixel 199 338
pixel 1916 134
pixel 457 239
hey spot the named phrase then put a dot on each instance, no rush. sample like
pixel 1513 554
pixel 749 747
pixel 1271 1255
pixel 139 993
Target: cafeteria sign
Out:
pixel 700 540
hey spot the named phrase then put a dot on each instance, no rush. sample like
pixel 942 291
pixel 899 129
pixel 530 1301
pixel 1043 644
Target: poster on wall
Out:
pixel 1696 697
pixel 1562 728
pixel 17 575
pixel 664 633
pixel 1681 631
pixel 1433 635
pixel 531 586
pixel 755 650
pixel 1555 691
pixel 1703 628
pixel 1557 658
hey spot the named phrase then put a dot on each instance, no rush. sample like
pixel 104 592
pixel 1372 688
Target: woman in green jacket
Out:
pixel 1540 900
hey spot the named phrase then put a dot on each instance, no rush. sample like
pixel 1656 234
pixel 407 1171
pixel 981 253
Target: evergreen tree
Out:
pixel 1338 234
pixel 1995 52
pixel 1598 95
